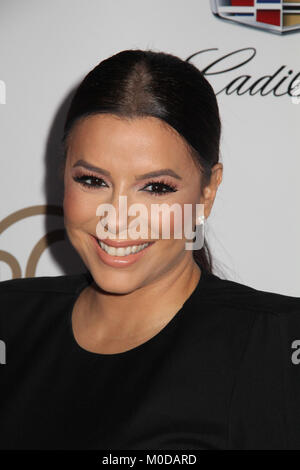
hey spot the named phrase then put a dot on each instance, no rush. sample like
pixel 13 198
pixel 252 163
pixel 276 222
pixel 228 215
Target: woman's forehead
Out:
pixel 138 141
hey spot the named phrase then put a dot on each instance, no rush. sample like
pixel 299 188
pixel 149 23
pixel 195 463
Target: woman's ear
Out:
pixel 210 191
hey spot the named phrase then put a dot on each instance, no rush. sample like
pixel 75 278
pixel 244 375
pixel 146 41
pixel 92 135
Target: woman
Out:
pixel 148 349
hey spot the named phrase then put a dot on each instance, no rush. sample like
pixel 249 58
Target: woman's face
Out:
pixel 124 151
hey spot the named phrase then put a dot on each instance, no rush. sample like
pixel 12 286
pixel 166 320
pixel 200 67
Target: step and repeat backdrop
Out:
pixel 249 50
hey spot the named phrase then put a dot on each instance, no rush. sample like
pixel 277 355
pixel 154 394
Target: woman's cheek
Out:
pixel 76 206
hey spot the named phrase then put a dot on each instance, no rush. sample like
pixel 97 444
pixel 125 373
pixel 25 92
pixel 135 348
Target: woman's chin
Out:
pixel 115 283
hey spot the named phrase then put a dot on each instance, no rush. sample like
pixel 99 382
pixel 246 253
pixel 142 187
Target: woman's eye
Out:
pixel 89 181
pixel 159 188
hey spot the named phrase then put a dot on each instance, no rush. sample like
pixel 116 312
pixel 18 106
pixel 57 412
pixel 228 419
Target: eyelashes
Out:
pixel 82 180
pixel 167 187
pixel 162 187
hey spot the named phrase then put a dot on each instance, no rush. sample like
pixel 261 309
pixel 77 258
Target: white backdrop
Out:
pixel 47 47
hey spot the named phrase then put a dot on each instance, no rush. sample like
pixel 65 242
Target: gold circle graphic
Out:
pixel 40 246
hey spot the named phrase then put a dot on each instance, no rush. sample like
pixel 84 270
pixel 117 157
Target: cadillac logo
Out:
pixel 276 16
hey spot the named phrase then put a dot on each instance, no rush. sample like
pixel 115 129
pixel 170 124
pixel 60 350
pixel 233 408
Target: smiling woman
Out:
pixel 148 349
pixel 128 150
pixel 143 116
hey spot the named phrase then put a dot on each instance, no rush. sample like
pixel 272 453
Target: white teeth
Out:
pixel 111 250
pixel 127 250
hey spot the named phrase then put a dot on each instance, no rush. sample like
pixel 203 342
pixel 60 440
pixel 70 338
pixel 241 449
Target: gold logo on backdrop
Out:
pixel 40 246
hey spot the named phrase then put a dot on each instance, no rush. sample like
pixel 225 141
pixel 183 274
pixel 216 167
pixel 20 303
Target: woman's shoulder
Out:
pixel 264 407
pixel 67 283
pixel 24 300
pixel 238 295
pixel 41 293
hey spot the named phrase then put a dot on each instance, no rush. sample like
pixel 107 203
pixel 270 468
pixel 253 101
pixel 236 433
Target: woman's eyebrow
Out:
pixel 90 167
pixel 164 171
pixel 152 174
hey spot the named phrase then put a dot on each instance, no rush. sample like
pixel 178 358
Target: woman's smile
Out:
pixel 117 255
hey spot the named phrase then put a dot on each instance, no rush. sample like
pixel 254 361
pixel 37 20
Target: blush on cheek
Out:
pixel 76 207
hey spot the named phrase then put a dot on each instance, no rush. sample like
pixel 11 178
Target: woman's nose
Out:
pixel 119 215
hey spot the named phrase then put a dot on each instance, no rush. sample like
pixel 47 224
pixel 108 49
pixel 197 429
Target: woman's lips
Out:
pixel 119 261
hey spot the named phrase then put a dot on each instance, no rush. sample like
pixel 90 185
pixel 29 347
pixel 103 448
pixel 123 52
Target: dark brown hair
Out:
pixel 135 83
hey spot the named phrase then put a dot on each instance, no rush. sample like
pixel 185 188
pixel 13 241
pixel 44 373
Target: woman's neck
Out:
pixel 133 315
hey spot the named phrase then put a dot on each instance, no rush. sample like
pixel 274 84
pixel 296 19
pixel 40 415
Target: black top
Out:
pixel 224 373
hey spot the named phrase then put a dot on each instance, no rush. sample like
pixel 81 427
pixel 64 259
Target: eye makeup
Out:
pixel 162 186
